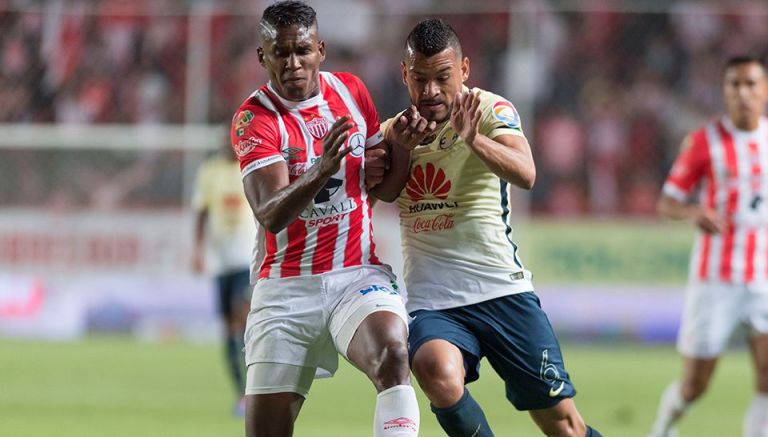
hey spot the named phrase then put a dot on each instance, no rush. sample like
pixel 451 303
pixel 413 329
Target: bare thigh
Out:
pixel 271 415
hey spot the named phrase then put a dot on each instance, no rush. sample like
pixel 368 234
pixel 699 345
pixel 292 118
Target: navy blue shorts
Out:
pixel 234 288
pixel 514 334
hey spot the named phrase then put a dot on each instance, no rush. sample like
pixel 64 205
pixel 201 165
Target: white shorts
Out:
pixel 304 322
pixel 715 312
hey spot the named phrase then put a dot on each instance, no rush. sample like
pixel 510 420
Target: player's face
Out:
pixel 746 93
pixel 434 81
pixel 292 57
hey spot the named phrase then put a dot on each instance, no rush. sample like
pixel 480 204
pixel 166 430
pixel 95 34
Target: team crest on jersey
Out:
pixel 428 140
pixel 507 114
pixel 243 147
pixel 444 143
pixel 242 120
pixel 318 127
pixel 428 180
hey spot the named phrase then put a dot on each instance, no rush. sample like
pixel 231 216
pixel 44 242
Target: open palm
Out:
pixel 465 116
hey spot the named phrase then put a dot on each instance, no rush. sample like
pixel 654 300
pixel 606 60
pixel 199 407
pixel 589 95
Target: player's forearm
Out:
pixel 510 164
pixel 283 206
pixel 396 176
pixel 671 208
pixel 201 218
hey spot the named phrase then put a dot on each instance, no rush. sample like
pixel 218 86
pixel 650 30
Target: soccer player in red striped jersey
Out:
pixel 726 164
pixel 320 291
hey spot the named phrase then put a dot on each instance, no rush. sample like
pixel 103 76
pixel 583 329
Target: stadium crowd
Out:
pixel 614 92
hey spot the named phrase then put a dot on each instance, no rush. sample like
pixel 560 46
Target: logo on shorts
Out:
pixel 554 392
pixel 401 422
pixel 375 288
pixel 516 276
pixel 550 375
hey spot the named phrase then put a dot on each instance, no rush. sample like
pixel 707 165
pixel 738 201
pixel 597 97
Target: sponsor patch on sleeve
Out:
pixel 245 146
pixel 507 114
pixel 259 163
pixel 242 120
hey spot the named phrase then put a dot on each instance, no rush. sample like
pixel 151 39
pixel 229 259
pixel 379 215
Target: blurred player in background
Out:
pixel 321 290
pixel 468 293
pixel 224 227
pixel 726 164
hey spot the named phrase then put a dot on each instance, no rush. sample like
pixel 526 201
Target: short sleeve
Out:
pixel 689 167
pixel 499 116
pixel 367 108
pixel 255 138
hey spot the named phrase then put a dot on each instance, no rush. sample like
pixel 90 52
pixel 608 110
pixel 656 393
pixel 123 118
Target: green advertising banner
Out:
pixel 605 252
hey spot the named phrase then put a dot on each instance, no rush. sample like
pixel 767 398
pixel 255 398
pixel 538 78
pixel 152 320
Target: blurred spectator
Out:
pixel 617 89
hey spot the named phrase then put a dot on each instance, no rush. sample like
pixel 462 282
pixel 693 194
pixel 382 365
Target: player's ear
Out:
pixel 404 70
pixel 464 69
pixel 260 54
pixel 321 49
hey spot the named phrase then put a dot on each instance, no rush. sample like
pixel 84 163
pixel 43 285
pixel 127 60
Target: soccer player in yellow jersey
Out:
pixel 225 226
pixel 454 152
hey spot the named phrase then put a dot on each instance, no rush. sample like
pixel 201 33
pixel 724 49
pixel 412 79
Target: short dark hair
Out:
pixel 282 14
pixel 432 36
pixel 743 59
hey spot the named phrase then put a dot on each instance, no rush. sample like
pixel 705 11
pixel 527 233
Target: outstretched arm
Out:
pixel 275 202
pixel 507 156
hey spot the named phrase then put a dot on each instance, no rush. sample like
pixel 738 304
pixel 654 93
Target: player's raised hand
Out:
pixel 410 129
pixel 376 164
pixel 465 116
pixel 709 221
pixel 333 152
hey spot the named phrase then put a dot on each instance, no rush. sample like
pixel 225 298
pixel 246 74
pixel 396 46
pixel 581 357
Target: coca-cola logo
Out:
pixel 244 147
pixel 297 169
pixel 437 223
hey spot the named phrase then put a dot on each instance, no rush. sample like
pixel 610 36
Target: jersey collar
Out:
pixel 313 101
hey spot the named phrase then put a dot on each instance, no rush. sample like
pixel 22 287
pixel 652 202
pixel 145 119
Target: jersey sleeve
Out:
pixel 388 123
pixel 365 103
pixel 689 167
pixel 255 138
pixel 499 116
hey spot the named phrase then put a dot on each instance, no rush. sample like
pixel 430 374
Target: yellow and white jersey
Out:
pixel 453 218
pixel 231 227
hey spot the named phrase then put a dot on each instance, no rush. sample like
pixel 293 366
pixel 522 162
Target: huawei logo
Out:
pixel 428 181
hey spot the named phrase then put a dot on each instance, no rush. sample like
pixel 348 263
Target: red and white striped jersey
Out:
pixel 729 167
pixel 334 231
